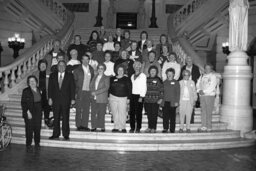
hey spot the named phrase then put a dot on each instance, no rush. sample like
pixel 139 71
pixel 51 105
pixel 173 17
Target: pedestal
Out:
pixel 236 109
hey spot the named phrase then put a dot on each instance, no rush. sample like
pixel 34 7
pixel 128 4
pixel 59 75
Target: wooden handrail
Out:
pixel 13 73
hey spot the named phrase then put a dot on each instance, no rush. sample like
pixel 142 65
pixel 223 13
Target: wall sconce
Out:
pixel 225 48
pixel 16 43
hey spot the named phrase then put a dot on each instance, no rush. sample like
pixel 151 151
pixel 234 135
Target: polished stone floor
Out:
pixel 47 159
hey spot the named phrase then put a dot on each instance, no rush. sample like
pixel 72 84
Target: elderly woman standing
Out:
pixel 206 87
pixel 171 101
pixel 119 93
pixel 153 98
pixel 99 90
pixel 139 89
pixel 32 111
pixel 188 97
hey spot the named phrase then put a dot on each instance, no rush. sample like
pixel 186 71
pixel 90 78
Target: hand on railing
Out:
pixel 187 10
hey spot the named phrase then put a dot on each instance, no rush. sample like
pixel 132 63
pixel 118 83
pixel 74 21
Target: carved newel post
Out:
pixel 236 109
pixel 153 16
pixel 111 14
pixel 141 14
pixel 99 17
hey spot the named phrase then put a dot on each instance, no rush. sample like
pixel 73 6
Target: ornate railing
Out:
pixel 57 8
pixel 188 9
pixel 13 73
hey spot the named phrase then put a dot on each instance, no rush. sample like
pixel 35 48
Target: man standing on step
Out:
pixel 61 93
pixel 83 76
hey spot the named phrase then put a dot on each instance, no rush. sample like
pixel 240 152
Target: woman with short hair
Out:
pixel 119 94
pixel 32 111
pixel 188 97
pixel 171 101
pixel 153 98
pixel 99 90
pixel 139 89
pixel 206 87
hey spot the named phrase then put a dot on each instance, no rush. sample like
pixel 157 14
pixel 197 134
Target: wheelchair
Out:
pixel 5 130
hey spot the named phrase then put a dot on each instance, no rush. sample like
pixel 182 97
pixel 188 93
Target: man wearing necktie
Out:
pixel 61 93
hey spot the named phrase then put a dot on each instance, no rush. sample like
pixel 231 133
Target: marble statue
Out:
pixel 238 25
pixel 111 14
pixel 141 14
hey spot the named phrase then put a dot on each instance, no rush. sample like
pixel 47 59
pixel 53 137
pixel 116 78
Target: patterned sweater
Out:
pixel 154 90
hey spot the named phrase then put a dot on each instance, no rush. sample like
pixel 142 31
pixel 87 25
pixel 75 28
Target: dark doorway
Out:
pixel 126 20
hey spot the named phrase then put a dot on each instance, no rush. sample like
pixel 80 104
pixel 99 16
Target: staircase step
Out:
pixel 126 145
pixel 108 135
pixel 197 118
pixel 144 126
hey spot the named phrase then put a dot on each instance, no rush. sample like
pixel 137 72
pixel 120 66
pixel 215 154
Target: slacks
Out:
pixel 169 117
pixel 45 105
pixel 152 113
pixel 207 106
pixel 135 112
pixel 186 109
pixel 83 109
pixel 58 111
pixel 118 106
pixel 98 114
pixel 33 126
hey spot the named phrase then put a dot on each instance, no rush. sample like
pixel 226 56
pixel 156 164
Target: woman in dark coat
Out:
pixel 32 111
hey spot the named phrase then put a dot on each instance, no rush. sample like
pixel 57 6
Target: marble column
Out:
pixel 236 109
pixel 111 14
pixel 153 16
pixel 99 17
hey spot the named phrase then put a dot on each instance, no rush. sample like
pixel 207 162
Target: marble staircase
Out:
pixel 219 138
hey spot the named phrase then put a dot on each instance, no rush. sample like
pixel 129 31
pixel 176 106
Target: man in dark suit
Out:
pixel 61 93
pixel 195 74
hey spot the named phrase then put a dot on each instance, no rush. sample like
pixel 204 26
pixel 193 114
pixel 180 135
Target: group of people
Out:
pixel 115 72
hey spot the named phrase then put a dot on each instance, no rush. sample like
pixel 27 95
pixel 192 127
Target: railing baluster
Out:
pixel 6 80
pixel 29 65
pixel 19 74
pixel 33 61
pixel 13 78
pixel 24 68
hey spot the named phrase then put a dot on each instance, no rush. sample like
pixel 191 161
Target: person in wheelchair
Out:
pixel 31 104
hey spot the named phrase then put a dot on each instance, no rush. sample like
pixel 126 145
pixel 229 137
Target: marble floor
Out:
pixel 58 159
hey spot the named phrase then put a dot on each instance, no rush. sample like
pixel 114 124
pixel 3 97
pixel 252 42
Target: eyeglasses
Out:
pixel 101 68
pixel 186 75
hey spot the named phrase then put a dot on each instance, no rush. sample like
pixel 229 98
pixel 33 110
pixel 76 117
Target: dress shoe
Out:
pixel 93 129
pixel 181 131
pixel 188 131
pixel 79 128
pixel 131 131
pixel 148 130
pixel 137 131
pixel 102 130
pixel 165 131
pixel 86 129
pixel 114 130
pixel 124 131
pixel 66 138
pixel 53 138
pixel 37 147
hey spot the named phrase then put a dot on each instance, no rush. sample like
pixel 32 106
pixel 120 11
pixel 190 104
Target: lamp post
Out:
pixel 153 16
pixel 16 43
pixel 99 17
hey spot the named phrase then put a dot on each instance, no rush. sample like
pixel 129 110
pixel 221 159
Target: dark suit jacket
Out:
pixel 195 73
pixel 67 91
pixel 27 101
pixel 102 90
pixel 115 39
pixel 79 78
pixel 144 47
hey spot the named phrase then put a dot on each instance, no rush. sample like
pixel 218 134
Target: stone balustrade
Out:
pixel 57 8
pixel 187 10
pixel 25 64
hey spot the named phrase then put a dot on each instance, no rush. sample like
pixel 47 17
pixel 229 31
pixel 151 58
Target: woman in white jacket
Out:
pixel 206 87
pixel 188 97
